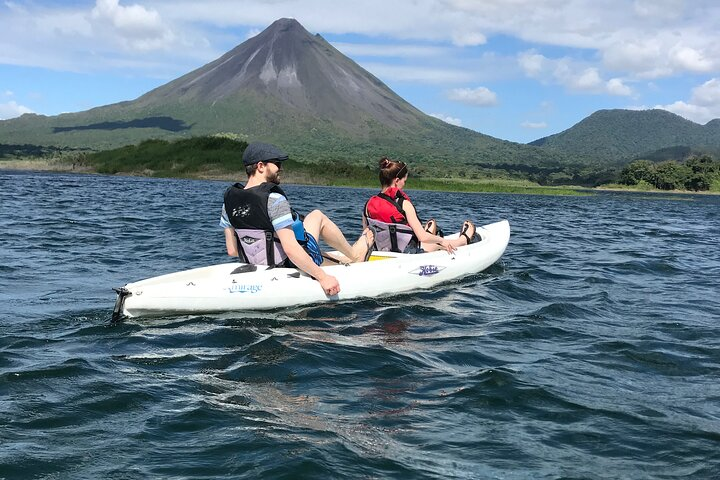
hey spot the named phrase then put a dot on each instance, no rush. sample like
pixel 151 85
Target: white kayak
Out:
pixel 239 287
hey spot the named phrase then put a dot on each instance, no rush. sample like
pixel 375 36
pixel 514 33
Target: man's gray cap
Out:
pixel 263 152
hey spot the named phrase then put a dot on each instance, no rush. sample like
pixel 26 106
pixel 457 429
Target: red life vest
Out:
pixel 385 215
pixel 387 207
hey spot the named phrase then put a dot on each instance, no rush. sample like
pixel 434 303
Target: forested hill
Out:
pixel 619 136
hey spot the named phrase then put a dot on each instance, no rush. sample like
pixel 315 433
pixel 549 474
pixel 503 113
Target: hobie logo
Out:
pixel 245 288
pixel 427 270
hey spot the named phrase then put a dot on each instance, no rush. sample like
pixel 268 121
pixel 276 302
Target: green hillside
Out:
pixel 620 136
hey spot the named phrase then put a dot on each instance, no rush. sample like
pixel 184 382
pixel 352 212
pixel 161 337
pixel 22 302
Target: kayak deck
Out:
pixel 237 286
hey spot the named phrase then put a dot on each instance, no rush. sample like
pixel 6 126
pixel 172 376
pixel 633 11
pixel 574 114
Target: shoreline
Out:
pixel 493 186
pixel 655 191
pixel 44 165
pixel 302 178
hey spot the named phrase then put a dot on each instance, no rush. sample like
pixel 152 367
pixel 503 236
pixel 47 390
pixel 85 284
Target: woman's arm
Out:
pixel 419 231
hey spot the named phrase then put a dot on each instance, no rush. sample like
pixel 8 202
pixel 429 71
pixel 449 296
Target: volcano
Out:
pixel 291 68
pixel 284 86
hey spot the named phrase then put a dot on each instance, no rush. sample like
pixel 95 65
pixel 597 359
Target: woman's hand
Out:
pixel 447 246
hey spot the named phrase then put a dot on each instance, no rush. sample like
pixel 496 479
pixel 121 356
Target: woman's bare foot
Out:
pixel 363 246
pixel 431 226
pixel 468 231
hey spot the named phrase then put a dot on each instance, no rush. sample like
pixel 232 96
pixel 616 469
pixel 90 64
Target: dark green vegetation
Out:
pixel 619 136
pixel 170 159
pixel 26 150
pixel 220 157
pixel 696 173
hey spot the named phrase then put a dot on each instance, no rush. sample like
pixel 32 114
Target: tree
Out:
pixel 637 171
pixel 671 175
pixel 703 170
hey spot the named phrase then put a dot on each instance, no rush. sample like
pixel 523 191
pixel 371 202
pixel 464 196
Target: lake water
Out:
pixel 591 350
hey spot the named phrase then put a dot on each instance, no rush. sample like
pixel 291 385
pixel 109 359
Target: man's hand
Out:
pixel 330 285
pixel 302 260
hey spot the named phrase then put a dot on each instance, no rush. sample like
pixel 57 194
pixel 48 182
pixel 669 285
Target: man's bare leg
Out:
pixel 321 227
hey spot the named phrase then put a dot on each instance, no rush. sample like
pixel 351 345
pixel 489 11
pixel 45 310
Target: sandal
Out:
pixel 431 227
pixel 370 243
pixel 468 226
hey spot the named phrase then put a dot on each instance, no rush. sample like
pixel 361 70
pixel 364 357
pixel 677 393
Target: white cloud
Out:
pixel 389 50
pixel 468 39
pixel 11 109
pixel 587 80
pixel 534 125
pixel 137 27
pixel 417 74
pixel 447 119
pixel 696 113
pixel 708 93
pixel 615 86
pixel 575 76
pixel 480 96
pixel 703 106
pixel 663 54
pixel 659 9
pixel 640 56
pixel 669 30
pixel 691 59
pixel 532 63
pixel 253 32
pixel 641 39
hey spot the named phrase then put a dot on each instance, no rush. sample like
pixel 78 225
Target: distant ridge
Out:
pixel 294 89
pixel 623 135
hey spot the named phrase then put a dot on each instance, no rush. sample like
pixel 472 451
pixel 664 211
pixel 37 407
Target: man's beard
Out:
pixel 274 177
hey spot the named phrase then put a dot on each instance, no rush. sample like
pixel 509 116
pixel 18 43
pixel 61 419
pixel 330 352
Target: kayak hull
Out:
pixel 241 287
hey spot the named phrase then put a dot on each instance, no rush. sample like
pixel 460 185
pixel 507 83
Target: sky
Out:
pixel 518 70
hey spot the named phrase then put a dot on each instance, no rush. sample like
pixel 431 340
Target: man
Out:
pixel 257 216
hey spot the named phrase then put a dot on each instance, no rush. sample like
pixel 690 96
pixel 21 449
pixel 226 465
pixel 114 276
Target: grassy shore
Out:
pixel 304 174
pixel 45 165
pixel 645 188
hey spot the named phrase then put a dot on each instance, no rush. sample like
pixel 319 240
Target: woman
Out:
pixel 396 223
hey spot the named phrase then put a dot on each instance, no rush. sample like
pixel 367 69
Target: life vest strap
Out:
pixel 270 248
pixel 393 238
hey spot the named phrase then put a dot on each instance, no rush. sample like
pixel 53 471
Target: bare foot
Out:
pixel 431 226
pixel 361 248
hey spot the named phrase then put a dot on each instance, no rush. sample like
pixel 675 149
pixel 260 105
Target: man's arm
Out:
pixel 231 242
pixel 230 237
pixel 302 260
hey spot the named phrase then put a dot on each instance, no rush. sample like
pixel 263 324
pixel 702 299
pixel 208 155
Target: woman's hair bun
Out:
pixel 385 163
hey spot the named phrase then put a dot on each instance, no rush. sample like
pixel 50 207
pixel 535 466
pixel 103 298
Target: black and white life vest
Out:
pixel 248 214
